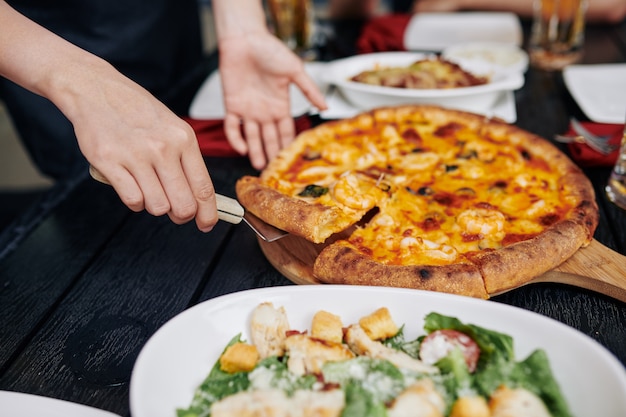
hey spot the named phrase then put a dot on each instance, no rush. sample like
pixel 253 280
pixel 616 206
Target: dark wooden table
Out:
pixel 84 282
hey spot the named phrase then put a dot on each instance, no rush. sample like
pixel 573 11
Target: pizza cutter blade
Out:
pixel 229 210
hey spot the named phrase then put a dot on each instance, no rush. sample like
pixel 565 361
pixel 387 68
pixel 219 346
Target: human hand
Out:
pixel 256 71
pixel 149 155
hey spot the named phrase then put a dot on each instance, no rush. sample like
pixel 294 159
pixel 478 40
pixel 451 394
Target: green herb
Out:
pixel 313 190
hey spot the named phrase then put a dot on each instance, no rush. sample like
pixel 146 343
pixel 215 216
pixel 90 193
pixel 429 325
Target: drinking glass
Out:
pixel 557 34
pixel 292 22
pixel 616 187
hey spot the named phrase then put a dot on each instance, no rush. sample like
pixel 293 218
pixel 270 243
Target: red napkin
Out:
pixel 212 139
pixel 383 33
pixel 584 156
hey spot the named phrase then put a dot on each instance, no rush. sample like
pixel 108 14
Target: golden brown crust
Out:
pixel 314 222
pixel 515 265
pixel 339 263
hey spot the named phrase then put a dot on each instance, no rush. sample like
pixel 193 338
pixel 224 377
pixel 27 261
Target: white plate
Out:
pixel 180 354
pixel 17 404
pixel 340 108
pixel 436 31
pixel 599 90
pixel 480 98
pixel 488 57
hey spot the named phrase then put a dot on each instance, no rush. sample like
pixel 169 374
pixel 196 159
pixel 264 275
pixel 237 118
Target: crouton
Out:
pixel 327 326
pixel 474 406
pixel 240 357
pixel 379 325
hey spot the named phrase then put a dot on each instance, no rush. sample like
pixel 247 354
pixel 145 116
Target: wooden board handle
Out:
pixel 596 268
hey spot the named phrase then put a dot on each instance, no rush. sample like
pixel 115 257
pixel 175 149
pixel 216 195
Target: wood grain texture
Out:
pixel 596 267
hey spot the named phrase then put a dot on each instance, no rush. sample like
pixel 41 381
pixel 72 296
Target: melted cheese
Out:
pixel 443 189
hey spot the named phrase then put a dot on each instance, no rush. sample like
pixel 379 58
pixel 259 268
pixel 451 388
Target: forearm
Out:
pixel 43 62
pixel 236 18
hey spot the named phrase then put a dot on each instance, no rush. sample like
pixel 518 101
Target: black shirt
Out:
pixel 153 42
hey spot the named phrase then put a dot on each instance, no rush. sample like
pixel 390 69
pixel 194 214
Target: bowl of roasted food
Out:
pixel 393 78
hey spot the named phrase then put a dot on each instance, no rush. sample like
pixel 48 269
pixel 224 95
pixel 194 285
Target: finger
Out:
pixel 256 152
pixel 155 199
pixel 232 128
pixel 286 131
pixel 271 140
pixel 202 190
pixel 310 90
pixel 178 191
pixel 125 186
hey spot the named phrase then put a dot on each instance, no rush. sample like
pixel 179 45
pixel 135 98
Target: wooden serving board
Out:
pixel 595 267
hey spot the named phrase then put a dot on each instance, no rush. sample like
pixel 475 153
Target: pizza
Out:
pixel 373 367
pixel 427 73
pixel 426 197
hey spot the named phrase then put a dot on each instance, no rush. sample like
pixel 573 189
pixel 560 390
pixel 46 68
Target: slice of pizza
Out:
pixel 318 186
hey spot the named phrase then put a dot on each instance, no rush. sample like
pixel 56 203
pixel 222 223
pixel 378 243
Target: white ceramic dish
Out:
pixel 478 98
pixel 599 90
pixel 488 57
pixel 180 354
pixel 17 404
pixel 437 31
pixel 340 108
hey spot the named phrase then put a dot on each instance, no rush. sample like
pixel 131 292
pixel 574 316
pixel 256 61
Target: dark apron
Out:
pixel 156 43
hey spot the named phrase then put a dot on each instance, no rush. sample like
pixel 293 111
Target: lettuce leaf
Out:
pixel 497 365
pixel 379 378
pixel 217 385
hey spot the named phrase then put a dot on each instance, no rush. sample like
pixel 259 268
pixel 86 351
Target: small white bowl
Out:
pixel 479 98
pixel 488 57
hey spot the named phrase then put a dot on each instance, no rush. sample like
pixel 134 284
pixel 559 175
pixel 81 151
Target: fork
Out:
pixel 597 143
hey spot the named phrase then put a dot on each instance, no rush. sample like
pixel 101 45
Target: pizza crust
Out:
pixel 314 222
pixel 340 263
pixel 517 264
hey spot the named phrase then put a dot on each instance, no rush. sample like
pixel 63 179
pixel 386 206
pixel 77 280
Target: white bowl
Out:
pixel 180 354
pixel 488 57
pixel 479 98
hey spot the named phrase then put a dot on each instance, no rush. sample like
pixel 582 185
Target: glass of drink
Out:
pixel 557 34
pixel 616 187
pixel 292 22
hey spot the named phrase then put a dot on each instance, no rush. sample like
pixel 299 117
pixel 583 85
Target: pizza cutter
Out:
pixel 228 210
